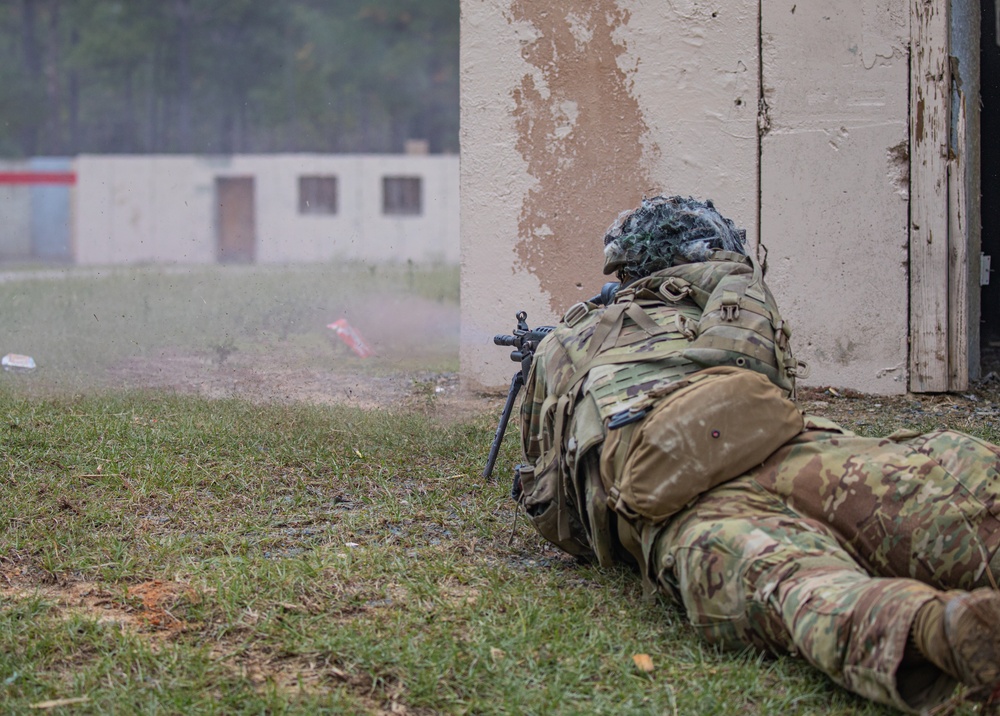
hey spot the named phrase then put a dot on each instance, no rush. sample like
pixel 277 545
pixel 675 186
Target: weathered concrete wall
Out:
pixel 834 185
pixel 569 116
pixel 359 230
pixel 161 209
pixel 134 209
pixel 15 215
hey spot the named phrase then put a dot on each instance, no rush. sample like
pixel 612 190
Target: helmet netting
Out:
pixel 663 231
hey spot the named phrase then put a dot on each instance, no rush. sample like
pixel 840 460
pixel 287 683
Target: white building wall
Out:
pixel 143 209
pixel 570 115
pixel 162 209
pixel 834 185
pixel 15 215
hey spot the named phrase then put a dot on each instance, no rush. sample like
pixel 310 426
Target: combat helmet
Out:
pixel 664 231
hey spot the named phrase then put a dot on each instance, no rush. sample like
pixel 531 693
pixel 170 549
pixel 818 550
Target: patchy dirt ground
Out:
pixel 979 404
pixel 440 394
pixel 403 333
pixel 263 379
pixel 143 607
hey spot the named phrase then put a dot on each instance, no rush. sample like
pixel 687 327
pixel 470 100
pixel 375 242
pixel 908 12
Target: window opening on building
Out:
pixel 317 195
pixel 401 196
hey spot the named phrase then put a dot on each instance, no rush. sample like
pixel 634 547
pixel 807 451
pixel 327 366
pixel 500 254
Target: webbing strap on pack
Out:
pixel 563 410
pixel 756 288
pixel 657 353
pixel 609 326
pixel 738 346
pixel 642 319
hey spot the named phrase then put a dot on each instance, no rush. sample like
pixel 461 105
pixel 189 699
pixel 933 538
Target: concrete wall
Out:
pixel 36 215
pixel 134 209
pixel 834 185
pixel 162 208
pixel 569 116
pixel 15 215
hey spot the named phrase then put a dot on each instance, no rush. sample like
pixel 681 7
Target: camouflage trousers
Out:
pixel 830 548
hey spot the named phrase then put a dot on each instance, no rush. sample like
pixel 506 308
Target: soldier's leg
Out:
pixel 925 507
pixel 967 555
pixel 750 571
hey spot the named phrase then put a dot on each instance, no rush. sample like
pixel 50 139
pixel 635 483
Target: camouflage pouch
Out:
pixel 548 500
pixel 549 512
pixel 706 429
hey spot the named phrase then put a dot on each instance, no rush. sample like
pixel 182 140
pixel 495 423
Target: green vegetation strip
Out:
pixel 164 554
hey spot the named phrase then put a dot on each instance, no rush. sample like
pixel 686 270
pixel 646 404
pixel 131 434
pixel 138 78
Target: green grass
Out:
pixel 169 554
pixel 319 560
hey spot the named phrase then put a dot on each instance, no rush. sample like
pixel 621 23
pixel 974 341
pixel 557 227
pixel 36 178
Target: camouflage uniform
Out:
pixel 828 549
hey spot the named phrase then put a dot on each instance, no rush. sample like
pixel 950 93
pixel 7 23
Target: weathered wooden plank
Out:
pixel 958 259
pixel 964 234
pixel 929 249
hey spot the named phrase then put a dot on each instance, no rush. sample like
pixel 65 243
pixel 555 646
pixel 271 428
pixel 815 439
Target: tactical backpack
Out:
pixel 680 384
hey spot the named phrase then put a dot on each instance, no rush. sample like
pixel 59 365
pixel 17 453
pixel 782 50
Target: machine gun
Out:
pixel 525 340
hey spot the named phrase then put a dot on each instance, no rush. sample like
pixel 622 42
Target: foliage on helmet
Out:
pixel 665 231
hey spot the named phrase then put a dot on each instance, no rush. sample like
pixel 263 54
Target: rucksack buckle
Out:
pixel 675 289
pixel 614 495
pixel 617 505
pixel 730 307
pixel 685 326
pixel 781 335
pixel 799 370
pixel 576 313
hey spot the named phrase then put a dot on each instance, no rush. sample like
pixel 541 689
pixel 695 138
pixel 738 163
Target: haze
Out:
pixel 192 192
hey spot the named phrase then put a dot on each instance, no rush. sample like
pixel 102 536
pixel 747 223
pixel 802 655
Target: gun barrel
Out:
pixel 503 339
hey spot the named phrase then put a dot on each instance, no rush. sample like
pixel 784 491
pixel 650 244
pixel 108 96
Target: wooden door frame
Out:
pixel 944 206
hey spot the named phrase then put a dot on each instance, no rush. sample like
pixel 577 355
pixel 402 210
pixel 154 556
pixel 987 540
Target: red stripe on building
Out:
pixel 37 177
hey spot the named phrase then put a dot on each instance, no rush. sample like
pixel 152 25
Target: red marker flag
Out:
pixel 349 335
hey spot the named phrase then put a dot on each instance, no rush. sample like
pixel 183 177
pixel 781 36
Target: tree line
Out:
pixel 227 76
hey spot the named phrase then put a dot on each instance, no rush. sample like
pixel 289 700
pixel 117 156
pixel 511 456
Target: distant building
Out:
pixel 101 210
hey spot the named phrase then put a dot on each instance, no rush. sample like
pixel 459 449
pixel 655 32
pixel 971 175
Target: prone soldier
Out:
pixel 659 430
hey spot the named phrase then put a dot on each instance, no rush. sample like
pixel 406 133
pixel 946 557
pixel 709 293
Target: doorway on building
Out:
pixel 235 219
pixel 989 83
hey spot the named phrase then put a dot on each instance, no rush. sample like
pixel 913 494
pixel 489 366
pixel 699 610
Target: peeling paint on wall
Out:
pixel 898 158
pixel 883 22
pixel 582 134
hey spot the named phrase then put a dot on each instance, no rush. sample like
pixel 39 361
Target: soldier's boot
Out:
pixel 960 634
pixel 972 624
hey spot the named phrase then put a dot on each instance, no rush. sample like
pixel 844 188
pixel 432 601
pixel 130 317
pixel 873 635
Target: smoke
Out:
pixel 255 332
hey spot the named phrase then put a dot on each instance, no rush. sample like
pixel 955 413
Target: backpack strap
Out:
pixel 564 409
pixel 609 328
pixel 756 288
pixel 600 518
